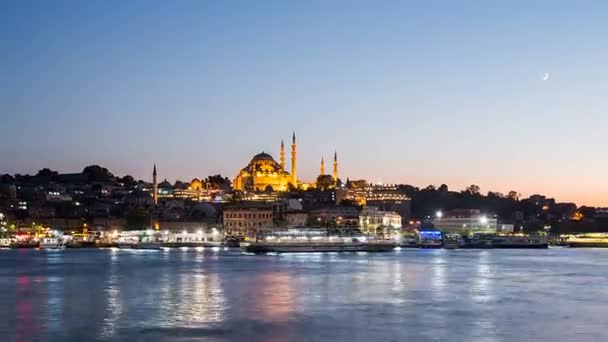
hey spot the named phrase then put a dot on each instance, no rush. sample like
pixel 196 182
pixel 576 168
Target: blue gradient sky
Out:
pixel 419 92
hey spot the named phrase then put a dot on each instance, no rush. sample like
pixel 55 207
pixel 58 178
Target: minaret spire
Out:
pixel 335 175
pixel 282 155
pixel 154 186
pixel 322 170
pixel 294 175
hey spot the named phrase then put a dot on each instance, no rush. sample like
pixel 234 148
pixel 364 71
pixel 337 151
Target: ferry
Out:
pixel 486 241
pixel 590 240
pixel 52 243
pixel 430 239
pixel 451 241
pixel 298 241
pixel 5 243
pixel 520 241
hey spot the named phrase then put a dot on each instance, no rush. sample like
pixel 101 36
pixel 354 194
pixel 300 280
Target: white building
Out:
pixel 461 221
pixel 371 219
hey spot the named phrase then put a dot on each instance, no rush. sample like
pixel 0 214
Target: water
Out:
pixel 413 295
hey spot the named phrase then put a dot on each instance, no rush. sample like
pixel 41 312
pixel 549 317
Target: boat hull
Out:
pixel 260 248
pixel 587 244
pixel 148 245
pixel 191 244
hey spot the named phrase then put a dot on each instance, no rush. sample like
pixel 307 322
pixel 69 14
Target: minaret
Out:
pixel 335 175
pixel 154 186
pixel 294 175
pixel 282 155
pixel 322 167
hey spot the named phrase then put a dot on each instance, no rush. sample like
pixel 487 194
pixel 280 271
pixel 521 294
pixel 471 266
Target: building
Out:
pixel 263 173
pixel 463 221
pixel 386 197
pixel 335 217
pixel 247 219
pixel 296 218
pixel 375 221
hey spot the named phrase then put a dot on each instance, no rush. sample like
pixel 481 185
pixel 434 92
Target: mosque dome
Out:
pixel 262 156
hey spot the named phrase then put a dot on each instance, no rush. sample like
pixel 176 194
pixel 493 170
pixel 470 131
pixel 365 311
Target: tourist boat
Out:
pixel 430 239
pixel 486 241
pixel 28 243
pixel 127 242
pixel 303 240
pixel 177 244
pixel 5 243
pixel 590 240
pixel 52 243
pixel 409 243
pixel 451 241
pixel 325 245
pixel 148 245
pixel 520 241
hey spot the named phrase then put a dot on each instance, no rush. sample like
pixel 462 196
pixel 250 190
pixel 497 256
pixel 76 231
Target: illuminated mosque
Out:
pixel 263 173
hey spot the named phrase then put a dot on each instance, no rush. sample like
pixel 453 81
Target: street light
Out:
pixel 483 220
pixel 439 214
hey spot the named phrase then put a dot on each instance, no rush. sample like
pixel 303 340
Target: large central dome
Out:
pixel 262 156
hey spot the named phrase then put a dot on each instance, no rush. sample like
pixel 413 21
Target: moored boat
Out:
pixel 329 245
pixel 52 243
pixel 303 240
pixel 487 241
pixel 451 242
pixel 588 240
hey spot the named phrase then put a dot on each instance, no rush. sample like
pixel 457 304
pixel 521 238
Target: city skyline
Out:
pixel 463 94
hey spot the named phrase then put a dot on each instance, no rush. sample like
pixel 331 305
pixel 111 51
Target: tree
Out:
pixel 473 189
pixel 46 172
pixel 180 185
pixel 218 182
pixel 7 179
pixel 430 188
pixel 443 188
pixel 513 195
pixel 137 218
pixel 325 182
pixel 128 181
pixel 495 194
pixel 96 173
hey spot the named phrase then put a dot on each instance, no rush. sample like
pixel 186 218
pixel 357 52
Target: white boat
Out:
pixel 317 246
pixel 52 243
pixel 5 243
pixel 127 242
pixel 148 245
pixel 303 241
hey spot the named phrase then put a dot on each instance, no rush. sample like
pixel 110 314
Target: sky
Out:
pixel 416 92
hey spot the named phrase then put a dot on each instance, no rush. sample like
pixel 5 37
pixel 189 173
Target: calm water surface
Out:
pixel 194 295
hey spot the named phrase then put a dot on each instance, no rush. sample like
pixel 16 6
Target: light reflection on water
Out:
pixel 176 294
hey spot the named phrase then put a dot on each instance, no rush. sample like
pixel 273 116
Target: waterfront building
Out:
pixel 462 221
pixel 335 217
pixel 247 219
pixel 378 222
pixel 296 218
pixel 386 197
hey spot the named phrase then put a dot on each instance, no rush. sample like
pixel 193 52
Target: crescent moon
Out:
pixel 546 76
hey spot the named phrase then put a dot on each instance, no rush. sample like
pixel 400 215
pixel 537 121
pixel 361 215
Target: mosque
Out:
pixel 263 173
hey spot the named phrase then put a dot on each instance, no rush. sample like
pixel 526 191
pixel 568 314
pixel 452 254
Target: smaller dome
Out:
pixel 165 185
